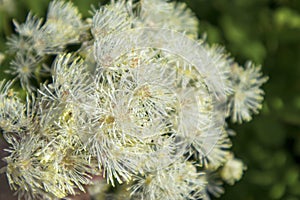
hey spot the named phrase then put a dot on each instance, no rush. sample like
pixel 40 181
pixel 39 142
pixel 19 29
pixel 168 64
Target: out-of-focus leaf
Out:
pixel 260 178
pixel 233 32
pixel 213 33
pixel 297 102
pixel 270 132
pixel 277 103
pixel 39 8
pixel 277 191
pixel 294 189
pixel 291 176
pixel 287 17
pixel 255 50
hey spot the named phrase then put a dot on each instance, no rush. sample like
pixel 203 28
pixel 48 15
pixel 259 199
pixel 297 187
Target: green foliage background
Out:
pixel 267 32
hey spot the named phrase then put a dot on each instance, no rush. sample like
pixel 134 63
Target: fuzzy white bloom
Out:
pixel 222 62
pixel 233 169
pixel 169 15
pixel 213 155
pixel 214 185
pixel 22 167
pixel 35 40
pixel 178 181
pixel 63 168
pixel 63 23
pixel 30 38
pixel 248 95
pixel 169 41
pixel 17 43
pixel 24 67
pixel 12 110
pixel 70 80
pixel 144 107
pixel 32 25
pixel 111 18
pixel 123 137
pixel 45 147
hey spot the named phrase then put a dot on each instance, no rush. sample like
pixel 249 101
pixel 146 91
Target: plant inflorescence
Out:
pixel 142 103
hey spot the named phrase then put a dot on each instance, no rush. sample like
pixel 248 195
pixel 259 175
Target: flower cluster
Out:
pixel 142 103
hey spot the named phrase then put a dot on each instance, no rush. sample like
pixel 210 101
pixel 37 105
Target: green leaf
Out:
pixel 277 191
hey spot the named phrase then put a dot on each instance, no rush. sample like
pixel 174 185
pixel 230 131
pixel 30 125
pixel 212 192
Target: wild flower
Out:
pixel 12 110
pixel 24 67
pixel 63 25
pixel 111 18
pixel 141 103
pixel 177 181
pixel 232 170
pixel 170 15
pixel 214 185
pixel 247 95
pixel 70 80
pixel 30 27
pixel 36 40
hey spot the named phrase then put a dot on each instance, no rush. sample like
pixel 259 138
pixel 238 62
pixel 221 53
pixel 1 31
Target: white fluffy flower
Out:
pixel 145 105
pixel 12 110
pixel 64 21
pixel 30 27
pixel 24 66
pixel 247 96
pixel 178 181
pixel 169 15
pixel 233 169
pixel 111 18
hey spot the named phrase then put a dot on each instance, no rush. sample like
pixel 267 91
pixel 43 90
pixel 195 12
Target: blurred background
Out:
pixel 265 31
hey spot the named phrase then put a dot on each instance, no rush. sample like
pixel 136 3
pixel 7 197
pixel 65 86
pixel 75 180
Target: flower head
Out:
pixel 232 170
pixel 12 110
pixel 178 181
pixel 140 102
pixel 248 95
